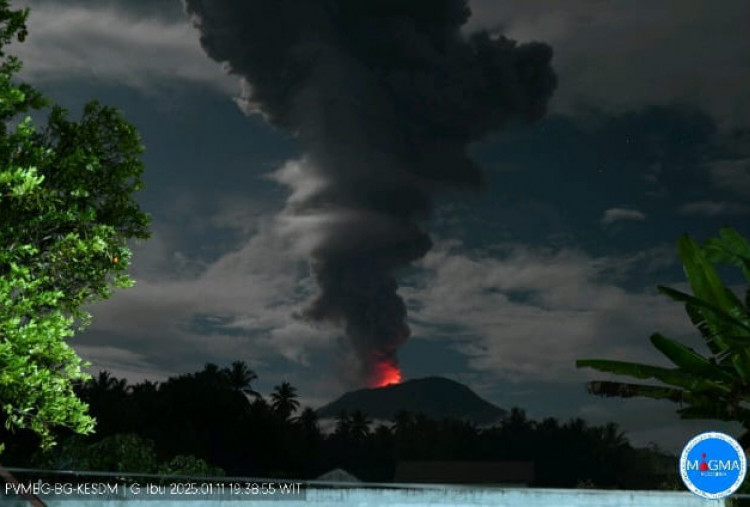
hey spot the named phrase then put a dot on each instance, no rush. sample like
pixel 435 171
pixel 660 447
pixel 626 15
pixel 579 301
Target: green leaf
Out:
pixel 688 360
pixel 66 206
pixel 730 248
pixel 742 366
pixel 625 390
pixel 668 376
pixel 716 343
pixel 719 316
pixel 704 280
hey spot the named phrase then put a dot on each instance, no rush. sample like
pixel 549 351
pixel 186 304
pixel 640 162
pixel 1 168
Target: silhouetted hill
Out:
pixel 435 397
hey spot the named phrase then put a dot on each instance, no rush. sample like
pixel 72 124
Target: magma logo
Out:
pixel 713 465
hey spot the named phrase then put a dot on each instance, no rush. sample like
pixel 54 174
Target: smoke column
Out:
pixel 384 97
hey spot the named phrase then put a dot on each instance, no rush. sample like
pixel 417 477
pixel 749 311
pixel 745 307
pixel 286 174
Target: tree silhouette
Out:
pixel 404 422
pixel 241 377
pixel 343 427
pixel 211 374
pixel 284 400
pixel 106 383
pixel 197 422
pixel 109 403
pixel 145 388
pixel 307 421
pixel 359 425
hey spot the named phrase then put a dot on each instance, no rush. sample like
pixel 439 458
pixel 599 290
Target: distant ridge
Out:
pixel 435 397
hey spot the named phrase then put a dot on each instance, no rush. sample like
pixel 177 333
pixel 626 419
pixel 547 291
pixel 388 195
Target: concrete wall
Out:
pixel 420 496
pixel 503 498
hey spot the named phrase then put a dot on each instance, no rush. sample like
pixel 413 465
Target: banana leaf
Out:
pixel 721 317
pixel 729 248
pixel 690 361
pixel 626 390
pixel 672 377
pixel 741 363
pixel 714 340
pixel 704 280
pixel 737 342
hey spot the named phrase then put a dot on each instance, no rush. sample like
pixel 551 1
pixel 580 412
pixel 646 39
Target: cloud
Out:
pixel 614 214
pixel 111 45
pixel 714 208
pixel 161 9
pixel 527 314
pixel 121 363
pixel 651 421
pixel 240 306
pixel 621 54
pixel 731 175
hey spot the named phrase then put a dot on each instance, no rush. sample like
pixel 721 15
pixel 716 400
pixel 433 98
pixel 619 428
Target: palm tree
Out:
pixel 240 377
pixel 613 436
pixel 709 387
pixel 517 422
pixel 308 418
pixel 359 425
pixel 210 373
pixel 284 400
pixel 343 425
pixel 105 386
pixel 383 434
pixel 109 402
pixel 146 387
pixel 403 422
pixel 307 421
pixel 110 383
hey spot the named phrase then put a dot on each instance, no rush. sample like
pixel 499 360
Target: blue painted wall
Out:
pixel 420 496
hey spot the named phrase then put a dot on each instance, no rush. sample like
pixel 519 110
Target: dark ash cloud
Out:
pixel 621 54
pixel 385 97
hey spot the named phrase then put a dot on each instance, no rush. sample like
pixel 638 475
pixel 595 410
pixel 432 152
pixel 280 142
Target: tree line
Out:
pixel 212 422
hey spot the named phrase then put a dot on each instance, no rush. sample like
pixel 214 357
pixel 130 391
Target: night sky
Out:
pixel 647 137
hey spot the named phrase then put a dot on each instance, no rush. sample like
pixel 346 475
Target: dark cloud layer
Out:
pixel 384 97
pixel 623 54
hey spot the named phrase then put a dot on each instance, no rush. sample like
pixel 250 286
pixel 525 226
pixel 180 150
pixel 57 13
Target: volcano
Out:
pixel 435 397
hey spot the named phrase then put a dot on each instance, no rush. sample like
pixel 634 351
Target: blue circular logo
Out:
pixel 713 465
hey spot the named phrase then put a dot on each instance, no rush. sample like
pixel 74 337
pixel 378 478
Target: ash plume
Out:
pixel 385 97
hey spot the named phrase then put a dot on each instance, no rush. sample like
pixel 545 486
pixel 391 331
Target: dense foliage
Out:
pixel 66 215
pixel 122 452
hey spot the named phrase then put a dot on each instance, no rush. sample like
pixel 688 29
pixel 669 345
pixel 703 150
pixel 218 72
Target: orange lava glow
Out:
pixel 386 374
